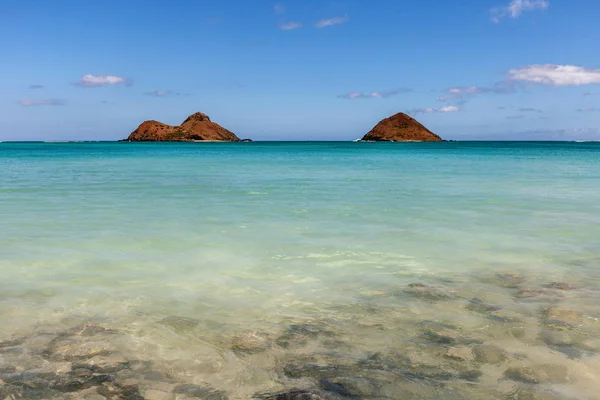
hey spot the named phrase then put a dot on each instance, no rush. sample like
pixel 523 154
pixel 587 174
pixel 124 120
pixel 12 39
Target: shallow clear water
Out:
pixel 257 240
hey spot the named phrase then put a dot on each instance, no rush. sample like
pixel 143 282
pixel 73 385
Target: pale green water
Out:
pixel 258 236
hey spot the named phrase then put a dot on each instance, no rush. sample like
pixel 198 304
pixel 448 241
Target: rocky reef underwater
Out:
pixel 512 338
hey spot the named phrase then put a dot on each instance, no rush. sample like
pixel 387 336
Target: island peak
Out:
pixel 196 127
pixel 400 128
pixel 199 116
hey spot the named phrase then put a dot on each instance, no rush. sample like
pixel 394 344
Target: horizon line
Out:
pixel 300 141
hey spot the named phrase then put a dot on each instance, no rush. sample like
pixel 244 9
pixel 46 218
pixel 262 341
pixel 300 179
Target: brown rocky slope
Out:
pixel 401 128
pixel 197 126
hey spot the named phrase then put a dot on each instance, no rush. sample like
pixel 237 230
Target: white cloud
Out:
pixel 557 75
pixel 279 9
pixel 431 110
pixel 466 90
pixel 449 109
pixel 374 95
pixel 48 102
pixel 289 26
pixel 331 21
pixel 90 80
pixel 516 7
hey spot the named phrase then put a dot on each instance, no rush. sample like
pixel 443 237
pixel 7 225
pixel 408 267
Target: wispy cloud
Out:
pixel 283 24
pixel 35 87
pixel 446 109
pixel 323 23
pixel 162 93
pixel 279 9
pixel 517 7
pixel 431 110
pixel 289 26
pixel 517 116
pixel 530 109
pixel 589 109
pixel 374 95
pixel 47 102
pixel 90 80
pixel 585 94
pixel 461 93
pixel 555 75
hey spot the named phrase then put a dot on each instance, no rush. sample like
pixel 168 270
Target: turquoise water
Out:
pixel 258 237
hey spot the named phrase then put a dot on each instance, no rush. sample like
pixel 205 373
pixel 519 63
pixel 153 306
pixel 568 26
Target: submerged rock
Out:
pixel 480 306
pixel 10 392
pixel 295 394
pixel 429 292
pixel 542 373
pixel 127 391
pixel 7 369
pixel 300 334
pixel 103 367
pixel 553 337
pixel 50 381
pixel 489 354
pixel 200 392
pixel 510 280
pixel 315 371
pixel 503 315
pixel 89 330
pixel 562 285
pixel 529 393
pixel 562 316
pixel 418 364
pixel 462 353
pixel 79 350
pixel 566 342
pixel 533 293
pixel 438 332
pixel 441 372
pixel 362 388
pixel 180 324
pixel 12 342
pixel 250 342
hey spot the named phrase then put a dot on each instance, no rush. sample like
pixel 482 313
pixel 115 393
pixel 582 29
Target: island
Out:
pixel 400 128
pixel 196 128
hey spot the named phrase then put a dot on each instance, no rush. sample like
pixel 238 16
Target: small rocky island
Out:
pixel 400 128
pixel 196 127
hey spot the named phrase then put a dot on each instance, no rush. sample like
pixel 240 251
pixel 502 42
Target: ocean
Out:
pixel 312 270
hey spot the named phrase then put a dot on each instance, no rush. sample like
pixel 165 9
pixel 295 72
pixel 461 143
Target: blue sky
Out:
pixel 300 69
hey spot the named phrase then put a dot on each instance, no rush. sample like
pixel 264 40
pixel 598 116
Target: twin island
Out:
pixel 199 128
